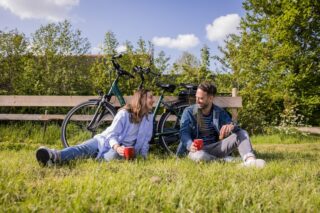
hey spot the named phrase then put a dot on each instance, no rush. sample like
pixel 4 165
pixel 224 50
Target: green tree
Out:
pixel 186 68
pixel 162 62
pixel 275 61
pixel 110 43
pixel 57 66
pixel 204 71
pixel 13 56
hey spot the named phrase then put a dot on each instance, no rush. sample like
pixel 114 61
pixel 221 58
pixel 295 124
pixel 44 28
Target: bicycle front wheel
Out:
pixel 75 127
pixel 169 127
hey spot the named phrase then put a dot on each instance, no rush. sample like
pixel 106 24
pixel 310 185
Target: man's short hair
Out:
pixel 208 87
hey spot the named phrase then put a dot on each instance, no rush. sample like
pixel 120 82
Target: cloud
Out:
pixel 52 10
pixel 121 48
pixel 223 26
pixel 182 42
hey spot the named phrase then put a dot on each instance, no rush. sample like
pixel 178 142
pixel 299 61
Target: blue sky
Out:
pixel 173 26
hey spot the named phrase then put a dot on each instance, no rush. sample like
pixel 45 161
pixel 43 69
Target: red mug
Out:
pixel 198 143
pixel 128 153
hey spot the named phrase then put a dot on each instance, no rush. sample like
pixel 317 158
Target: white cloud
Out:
pixel 52 10
pixel 223 26
pixel 121 48
pixel 182 42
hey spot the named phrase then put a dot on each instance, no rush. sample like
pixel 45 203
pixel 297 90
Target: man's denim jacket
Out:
pixel 189 128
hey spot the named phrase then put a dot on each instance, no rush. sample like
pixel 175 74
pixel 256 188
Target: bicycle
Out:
pixel 95 115
pixel 91 117
pixel 166 130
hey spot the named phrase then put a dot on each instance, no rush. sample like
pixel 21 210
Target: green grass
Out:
pixel 289 183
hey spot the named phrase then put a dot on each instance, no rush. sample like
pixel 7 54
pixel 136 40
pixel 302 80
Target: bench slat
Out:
pixel 42 117
pixel 70 101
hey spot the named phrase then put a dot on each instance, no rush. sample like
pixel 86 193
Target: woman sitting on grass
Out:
pixel 131 127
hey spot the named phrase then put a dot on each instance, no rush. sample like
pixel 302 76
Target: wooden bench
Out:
pixel 233 102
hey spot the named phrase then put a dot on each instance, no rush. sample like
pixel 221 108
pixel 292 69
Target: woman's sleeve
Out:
pixel 113 132
pixel 147 137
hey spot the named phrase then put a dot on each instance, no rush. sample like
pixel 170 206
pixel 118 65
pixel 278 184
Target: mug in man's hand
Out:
pixel 198 143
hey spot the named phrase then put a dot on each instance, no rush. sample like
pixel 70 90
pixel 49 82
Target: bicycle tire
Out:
pixel 170 122
pixel 74 126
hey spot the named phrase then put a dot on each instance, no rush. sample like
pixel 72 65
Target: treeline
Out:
pixel 274 62
pixel 56 61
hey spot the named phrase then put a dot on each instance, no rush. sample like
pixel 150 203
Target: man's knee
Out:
pixel 241 134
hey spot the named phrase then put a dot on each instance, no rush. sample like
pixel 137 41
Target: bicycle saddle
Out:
pixel 190 86
pixel 167 87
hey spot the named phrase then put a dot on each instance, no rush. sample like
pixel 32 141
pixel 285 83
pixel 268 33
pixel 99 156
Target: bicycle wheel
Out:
pixel 75 129
pixel 169 126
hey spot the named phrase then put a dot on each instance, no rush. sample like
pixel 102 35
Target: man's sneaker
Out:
pixel 46 156
pixel 258 163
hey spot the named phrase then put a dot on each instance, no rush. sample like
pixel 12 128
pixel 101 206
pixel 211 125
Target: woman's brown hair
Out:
pixel 138 106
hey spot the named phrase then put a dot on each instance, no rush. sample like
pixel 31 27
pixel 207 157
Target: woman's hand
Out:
pixel 119 149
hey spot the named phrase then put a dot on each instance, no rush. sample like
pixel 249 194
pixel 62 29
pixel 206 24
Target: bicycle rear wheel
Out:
pixel 169 126
pixel 75 129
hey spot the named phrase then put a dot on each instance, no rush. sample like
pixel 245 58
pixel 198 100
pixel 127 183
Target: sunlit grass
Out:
pixel 289 182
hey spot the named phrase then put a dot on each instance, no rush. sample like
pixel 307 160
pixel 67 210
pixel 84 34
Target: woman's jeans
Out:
pixel 223 148
pixel 88 149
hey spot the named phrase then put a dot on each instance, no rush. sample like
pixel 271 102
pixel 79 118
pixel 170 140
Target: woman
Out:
pixel 132 126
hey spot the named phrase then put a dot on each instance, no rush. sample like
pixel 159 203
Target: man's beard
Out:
pixel 204 106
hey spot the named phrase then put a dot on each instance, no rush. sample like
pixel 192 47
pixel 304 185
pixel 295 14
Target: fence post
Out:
pixel 234 111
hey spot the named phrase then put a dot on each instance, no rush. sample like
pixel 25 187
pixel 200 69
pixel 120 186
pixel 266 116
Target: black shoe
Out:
pixel 45 156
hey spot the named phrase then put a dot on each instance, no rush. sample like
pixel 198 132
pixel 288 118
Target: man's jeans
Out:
pixel 223 148
pixel 88 149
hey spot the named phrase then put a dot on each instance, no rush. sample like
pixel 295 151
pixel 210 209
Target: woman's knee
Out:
pixel 111 155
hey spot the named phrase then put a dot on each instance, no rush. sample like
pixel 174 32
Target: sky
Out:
pixel 173 26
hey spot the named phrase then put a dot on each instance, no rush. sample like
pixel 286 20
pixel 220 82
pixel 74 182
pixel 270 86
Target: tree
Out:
pixel 186 68
pixel 275 61
pixel 204 71
pixel 142 48
pixel 110 43
pixel 56 68
pixel 162 62
pixel 13 56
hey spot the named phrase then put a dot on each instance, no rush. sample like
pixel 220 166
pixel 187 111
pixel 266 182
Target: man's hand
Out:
pixel 119 149
pixel 225 131
pixel 193 148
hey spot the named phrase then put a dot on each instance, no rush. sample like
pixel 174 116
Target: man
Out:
pixel 220 135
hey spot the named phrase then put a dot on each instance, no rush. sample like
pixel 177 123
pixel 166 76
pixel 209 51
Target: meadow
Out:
pixel 289 183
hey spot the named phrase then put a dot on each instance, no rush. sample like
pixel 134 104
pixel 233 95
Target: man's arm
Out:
pixel 185 129
pixel 227 126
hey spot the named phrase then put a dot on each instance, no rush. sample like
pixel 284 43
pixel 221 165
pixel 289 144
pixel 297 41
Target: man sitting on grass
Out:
pixel 213 125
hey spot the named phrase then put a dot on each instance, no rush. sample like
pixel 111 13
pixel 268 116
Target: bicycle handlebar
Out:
pixel 146 70
pixel 117 66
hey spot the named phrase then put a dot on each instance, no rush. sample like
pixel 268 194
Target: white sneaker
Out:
pixel 258 163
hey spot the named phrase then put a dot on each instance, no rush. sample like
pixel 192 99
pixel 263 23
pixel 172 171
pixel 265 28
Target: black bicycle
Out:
pixel 166 129
pixel 93 116
pixel 89 118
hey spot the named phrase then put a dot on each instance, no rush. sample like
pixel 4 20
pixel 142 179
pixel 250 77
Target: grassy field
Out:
pixel 289 183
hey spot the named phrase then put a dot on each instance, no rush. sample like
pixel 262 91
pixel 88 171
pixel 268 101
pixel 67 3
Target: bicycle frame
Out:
pixel 155 112
pixel 113 91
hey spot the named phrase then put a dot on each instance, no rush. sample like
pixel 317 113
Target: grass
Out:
pixel 289 183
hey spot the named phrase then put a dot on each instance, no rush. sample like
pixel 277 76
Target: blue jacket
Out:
pixel 189 128
pixel 119 130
